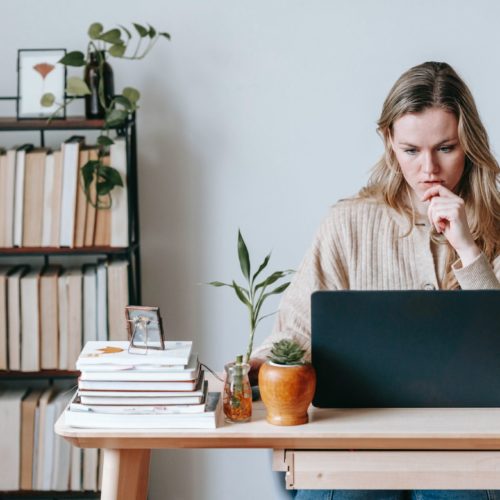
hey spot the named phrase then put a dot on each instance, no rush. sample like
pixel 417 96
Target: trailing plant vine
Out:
pixel 119 43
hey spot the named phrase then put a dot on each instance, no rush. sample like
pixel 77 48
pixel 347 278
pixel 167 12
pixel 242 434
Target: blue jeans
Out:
pixel 397 495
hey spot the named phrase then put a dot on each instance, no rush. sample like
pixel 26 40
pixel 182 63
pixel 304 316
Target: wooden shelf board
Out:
pixel 63 250
pixel 11 374
pixel 71 123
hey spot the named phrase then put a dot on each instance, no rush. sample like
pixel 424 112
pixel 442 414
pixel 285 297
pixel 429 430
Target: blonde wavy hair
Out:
pixel 436 84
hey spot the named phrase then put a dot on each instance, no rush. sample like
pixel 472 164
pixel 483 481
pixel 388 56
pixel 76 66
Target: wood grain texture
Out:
pixel 287 392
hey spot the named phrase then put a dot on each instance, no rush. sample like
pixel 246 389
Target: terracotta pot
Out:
pixel 287 392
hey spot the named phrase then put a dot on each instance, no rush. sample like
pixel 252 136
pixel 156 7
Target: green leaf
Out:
pixel 241 295
pixel 277 290
pixel 151 32
pixel 75 58
pixel 272 279
pixel 123 101
pixel 219 283
pixel 117 50
pixel 111 174
pixel 133 95
pixel 243 256
pixel 116 118
pixel 126 31
pixel 166 35
pixel 47 100
pixel 76 86
pixel 103 140
pixel 143 32
pixel 262 266
pixel 95 29
pixel 88 173
pixel 112 36
pixel 104 187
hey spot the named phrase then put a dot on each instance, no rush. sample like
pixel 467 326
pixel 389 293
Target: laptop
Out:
pixel 406 348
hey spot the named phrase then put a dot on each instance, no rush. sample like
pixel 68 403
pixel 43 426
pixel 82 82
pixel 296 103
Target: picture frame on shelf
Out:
pixel 145 328
pixel 39 72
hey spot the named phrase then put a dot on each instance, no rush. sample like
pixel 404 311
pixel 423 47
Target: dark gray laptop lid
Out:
pixel 406 348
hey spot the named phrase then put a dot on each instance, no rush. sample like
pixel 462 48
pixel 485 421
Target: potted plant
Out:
pixel 98 91
pixel 237 393
pixel 287 384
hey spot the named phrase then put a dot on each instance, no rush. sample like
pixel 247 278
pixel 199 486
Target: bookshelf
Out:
pixel 45 255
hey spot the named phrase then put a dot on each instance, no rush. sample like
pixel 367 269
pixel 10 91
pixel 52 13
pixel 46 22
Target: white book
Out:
pixel 10 438
pixel 3 317
pixel 89 303
pixel 176 352
pixel 102 301
pixel 190 372
pixel 117 299
pixel 209 419
pixel 48 196
pixel 116 385
pixel 9 198
pixel 3 196
pixel 75 480
pixel 75 330
pixel 90 469
pixel 43 403
pixel 137 405
pixel 14 316
pixel 63 297
pixel 49 321
pixel 19 194
pixel 70 162
pixel 30 321
pixel 62 449
pixel 36 447
pixel 119 208
pixel 45 479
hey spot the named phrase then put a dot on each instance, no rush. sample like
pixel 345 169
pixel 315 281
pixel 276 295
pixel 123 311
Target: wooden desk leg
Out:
pixel 125 474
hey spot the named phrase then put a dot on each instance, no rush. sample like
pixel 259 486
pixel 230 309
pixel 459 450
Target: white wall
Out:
pixel 257 115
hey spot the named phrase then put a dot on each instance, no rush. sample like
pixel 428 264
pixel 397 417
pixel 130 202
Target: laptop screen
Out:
pixel 406 348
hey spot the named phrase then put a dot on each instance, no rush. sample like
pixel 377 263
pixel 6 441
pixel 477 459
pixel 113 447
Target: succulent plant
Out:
pixel 287 352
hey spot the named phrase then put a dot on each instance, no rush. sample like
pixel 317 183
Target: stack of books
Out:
pixel 131 388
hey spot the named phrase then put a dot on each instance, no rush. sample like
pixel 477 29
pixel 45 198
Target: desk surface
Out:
pixel 368 429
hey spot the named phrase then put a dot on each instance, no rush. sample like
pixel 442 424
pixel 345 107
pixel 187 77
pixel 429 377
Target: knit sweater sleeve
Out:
pixel 479 274
pixel 323 268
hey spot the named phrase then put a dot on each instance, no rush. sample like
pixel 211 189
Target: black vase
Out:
pixel 93 106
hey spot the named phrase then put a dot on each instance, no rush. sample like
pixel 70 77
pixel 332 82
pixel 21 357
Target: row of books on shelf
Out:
pixel 35 457
pixel 127 387
pixel 43 202
pixel 47 314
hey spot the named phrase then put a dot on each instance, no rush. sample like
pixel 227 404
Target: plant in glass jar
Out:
pixel 237 391
pixel 97 87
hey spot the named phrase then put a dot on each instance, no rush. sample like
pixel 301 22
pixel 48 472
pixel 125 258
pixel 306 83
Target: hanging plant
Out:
pixel 120 43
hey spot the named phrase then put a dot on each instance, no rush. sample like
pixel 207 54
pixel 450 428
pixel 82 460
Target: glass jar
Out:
pixel 237 395
pixel 92 77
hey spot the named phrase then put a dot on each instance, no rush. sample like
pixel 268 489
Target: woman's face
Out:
pixel 428 151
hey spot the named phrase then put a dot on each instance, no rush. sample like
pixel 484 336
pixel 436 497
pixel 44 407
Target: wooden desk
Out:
pixel 351 449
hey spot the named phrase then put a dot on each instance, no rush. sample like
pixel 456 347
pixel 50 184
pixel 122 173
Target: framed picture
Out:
pixel 39 72
pixel 145 329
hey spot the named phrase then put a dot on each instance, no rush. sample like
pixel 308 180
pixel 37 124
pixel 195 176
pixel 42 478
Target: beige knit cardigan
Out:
pixel 361 246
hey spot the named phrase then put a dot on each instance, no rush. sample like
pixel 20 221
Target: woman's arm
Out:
pixel 323 268
pixel 447 213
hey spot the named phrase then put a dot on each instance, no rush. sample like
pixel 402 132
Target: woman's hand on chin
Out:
pixel 446 213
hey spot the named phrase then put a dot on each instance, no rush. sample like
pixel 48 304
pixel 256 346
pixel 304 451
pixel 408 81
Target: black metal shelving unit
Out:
pixel 131 253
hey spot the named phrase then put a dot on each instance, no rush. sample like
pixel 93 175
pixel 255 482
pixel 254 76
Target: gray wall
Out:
pixel 257 115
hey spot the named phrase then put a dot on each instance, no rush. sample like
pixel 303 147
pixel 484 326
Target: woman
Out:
pixel 429 218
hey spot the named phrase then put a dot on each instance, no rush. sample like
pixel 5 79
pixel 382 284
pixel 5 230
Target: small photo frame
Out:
pixel 145 328
pixel 39 72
